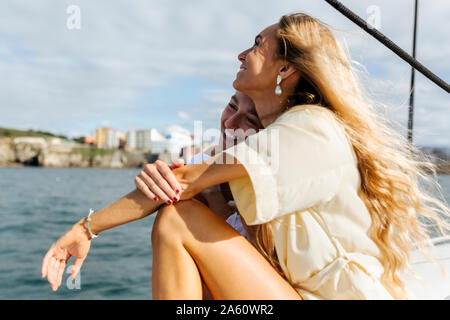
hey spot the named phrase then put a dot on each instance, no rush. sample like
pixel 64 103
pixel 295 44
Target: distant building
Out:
pixel 139 140
pixel 142 140
pixel 175 139
pixel 146 140
pixel 89 140
pixel 100 137
pixel 108 138
pixel 131 140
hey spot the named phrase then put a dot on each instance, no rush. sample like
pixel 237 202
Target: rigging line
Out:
pixel 412 87
pixel 388 43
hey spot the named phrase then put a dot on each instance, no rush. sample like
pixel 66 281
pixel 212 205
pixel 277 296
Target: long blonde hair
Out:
pixel 391 169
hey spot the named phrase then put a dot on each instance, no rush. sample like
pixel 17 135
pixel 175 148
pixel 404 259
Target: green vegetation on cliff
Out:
pixel 5 132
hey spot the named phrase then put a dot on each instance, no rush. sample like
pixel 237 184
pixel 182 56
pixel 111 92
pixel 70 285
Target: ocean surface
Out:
pixel 37 205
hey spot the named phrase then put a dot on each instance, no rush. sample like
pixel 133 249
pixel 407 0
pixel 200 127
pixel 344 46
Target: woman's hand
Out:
pixel 160 181
pixel 74 242
pixel 157 181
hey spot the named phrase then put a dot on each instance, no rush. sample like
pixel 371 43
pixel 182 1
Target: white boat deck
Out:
pixel 432 283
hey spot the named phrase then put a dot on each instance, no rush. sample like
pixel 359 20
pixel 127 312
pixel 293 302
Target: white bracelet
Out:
pixel 91 211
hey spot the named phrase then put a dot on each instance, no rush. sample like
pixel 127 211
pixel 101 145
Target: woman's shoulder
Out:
pixel 308 116
pixel 313 124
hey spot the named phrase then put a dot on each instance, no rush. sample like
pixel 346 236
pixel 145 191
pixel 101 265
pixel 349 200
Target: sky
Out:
pixel 137 64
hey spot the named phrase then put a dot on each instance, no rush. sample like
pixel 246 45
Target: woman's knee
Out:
pixel 169 222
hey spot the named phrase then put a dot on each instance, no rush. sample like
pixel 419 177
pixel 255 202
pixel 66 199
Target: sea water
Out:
pixel 37 205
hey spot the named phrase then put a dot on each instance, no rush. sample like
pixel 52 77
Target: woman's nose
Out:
pixel 242 55
pixel 230 123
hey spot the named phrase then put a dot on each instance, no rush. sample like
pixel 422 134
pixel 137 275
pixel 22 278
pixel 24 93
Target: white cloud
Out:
pixel 217 96
pixel 70 80
pixel 182 115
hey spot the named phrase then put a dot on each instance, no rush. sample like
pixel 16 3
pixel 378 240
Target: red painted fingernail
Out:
pixel 178 191
pixel 155 198
pixel 175 199
pixel 169 201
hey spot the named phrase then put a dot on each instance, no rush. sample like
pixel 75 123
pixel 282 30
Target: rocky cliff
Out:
pixel 43 152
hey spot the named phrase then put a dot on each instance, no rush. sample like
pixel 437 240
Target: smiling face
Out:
pixel 260 64
pixel 239 119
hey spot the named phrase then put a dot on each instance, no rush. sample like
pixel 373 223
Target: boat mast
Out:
pixel 412 88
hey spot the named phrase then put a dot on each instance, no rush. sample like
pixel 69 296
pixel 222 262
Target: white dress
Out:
pixel 303 180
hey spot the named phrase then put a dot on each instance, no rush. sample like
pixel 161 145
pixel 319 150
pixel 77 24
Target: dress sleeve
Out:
pixel 297 162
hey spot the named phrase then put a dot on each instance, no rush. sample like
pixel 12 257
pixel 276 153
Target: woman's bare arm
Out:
pixel 193 179
pixel 197 177
pixel 76 241
pixel 133 206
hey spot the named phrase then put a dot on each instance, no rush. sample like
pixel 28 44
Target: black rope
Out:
pixel 412 87
pixel 388 43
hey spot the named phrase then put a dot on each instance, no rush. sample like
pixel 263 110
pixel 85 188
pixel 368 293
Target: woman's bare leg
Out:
pixel 190 242
pixel 174 273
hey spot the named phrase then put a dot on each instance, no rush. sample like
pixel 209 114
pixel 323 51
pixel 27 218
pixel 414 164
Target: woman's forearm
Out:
pixel 135 205
pixel 197 177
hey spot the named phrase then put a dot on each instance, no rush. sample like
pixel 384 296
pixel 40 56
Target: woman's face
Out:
pixel 259 64
pixel 239 118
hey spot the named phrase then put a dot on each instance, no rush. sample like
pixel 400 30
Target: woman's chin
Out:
pixel 238 85
pixel 242 84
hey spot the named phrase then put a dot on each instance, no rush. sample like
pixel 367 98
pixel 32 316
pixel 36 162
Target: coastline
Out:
pixel 53 153
pixel 441 171
pixel 443 167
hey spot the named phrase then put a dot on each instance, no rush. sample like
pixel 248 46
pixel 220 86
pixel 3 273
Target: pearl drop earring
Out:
pixel 278 88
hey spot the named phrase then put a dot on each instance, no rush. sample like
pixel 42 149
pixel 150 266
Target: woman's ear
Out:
pixel 287 70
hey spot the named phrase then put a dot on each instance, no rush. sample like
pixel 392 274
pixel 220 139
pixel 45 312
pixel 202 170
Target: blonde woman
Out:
pixel 332 205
